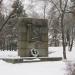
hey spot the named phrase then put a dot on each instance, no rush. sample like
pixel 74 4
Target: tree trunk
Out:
pixel 63 37
pixel 62 27
pixel 71 40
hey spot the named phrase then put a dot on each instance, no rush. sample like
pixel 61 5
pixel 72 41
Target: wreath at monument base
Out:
pixel 34 52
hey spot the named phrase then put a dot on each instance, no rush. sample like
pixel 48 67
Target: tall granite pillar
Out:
pixel 32 34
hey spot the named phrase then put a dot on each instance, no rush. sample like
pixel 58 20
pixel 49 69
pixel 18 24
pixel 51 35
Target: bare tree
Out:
pixel 10 21
pixel 62 26
pixel 61 9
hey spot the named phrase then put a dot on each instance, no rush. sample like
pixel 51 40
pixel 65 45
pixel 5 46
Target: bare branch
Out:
pixel 60 5
pixel 6 21
pixel 65 5
pixel 54 5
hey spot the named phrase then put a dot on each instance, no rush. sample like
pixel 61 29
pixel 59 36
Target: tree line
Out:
pixel 60 15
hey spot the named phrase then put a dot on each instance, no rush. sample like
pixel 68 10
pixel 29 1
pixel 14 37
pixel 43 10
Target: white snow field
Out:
pixel 5 53
pixel 53 52
pixel 36 68
pixel 58 52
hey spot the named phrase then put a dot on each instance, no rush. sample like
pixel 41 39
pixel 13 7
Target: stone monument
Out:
pixel 32 37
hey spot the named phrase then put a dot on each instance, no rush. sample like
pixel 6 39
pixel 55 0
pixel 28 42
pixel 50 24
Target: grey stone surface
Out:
pixel 33 34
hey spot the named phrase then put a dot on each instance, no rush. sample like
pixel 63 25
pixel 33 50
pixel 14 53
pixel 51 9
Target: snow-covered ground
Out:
pixel 35 68
pixel 39 68
pixel 5 53
pixel 53 52
pixel 58 52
